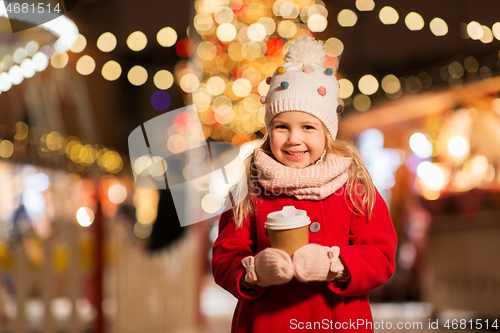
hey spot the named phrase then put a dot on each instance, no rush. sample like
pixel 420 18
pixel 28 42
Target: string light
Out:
pixel 438 27
pixel 106 42
pixel 365 5
pixel 85 65
pixel 137 41
pixel 59 59
pixel 137 75
pixel 79 44
pixel 166 37
pixel 388 15
pixel 368 84
pixel 414 21
pixel 346 88
pixel 347 18
pixel 163 79
pixel 111 70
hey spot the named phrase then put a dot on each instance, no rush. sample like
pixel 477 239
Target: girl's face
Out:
pixel 297 139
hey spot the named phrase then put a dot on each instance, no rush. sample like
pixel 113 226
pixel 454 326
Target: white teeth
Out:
pixel 295 154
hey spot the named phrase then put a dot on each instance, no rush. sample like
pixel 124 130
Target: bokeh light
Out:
pixel 456 70
pixel 7 62
pixel 142 231
pixel 438 26
pixel 226 32
pixel 176 143
pixel 346 88
pixel 475 30
pixel 210 203
pixel 59 59
pixel 347 18
pixel 288 9
pixel 365 5
pixel 487 35
pixel 414 21
pixel 137 75
pixel 391 84
pixel 111 70
pixel 362 102
pixel 117 194
pixel 388 15
pixel 79 44
pixel 496 30
pixel 203 23
pixel 166 37
pixel 223 15
pixel 31 48
pixel 420 145
pixel 206 50
pixel 269 24
pixel 106 42
pixel 471 64
pixel 41 61
pixel 137 41
pixel 6 148
pixel 287 29
pixel 242 87
pixel 19 55
pixel 85 65
pixel 160 100
pixel 256 32
pixel 216 85
pixel 163 79
pixel 85 216
pixel 368 84
pixel 28 68
pixel 433 176
pixel 334 47
pixel 16 75
pixel 457 146
pixel 188 82
pixel 317 23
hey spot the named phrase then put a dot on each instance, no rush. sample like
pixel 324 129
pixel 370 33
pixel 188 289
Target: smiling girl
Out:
pixel 352 242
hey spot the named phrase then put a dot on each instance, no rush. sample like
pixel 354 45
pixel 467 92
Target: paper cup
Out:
pixel 288 229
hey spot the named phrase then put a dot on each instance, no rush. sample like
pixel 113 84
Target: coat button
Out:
pixel 314 227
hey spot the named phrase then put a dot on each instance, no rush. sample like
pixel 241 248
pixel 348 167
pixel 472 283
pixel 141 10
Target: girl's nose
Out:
pixel 293 137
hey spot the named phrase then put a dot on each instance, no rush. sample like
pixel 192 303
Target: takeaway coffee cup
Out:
pixel 288 229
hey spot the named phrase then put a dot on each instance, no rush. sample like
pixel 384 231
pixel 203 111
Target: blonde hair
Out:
pixel 358 177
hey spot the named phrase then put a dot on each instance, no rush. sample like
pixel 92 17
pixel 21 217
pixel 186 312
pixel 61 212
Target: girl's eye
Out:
pixel 280 126
pixel 308 127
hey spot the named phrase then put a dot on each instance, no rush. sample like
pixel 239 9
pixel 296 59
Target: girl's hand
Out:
pixel 269 267
pixel 314 262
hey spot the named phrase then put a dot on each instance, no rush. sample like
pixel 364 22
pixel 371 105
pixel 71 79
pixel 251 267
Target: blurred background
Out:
pixel 84 249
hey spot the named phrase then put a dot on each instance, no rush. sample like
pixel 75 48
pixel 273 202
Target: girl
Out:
pixel 352 243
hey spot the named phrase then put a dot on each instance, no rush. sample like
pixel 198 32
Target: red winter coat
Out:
pixel 367 248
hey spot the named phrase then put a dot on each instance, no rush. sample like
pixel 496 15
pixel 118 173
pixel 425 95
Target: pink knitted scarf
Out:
pixel 314 182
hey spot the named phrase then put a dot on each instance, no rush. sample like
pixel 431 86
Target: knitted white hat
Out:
pixel 303 84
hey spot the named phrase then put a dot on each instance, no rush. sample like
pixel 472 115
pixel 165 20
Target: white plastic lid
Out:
pixel 287 218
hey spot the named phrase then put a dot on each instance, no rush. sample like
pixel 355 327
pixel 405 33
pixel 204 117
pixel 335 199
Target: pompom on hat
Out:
pixel 303 84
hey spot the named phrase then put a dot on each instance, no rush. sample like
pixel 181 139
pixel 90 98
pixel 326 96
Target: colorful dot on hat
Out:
pixel 285 85
pixel 280 70
pixel 263 99
pixel 307 70
pixel 322 91
pixel 268 80
pixel 328 71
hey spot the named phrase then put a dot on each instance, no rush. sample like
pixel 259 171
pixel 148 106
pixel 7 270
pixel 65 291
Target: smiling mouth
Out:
pixel 295 153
